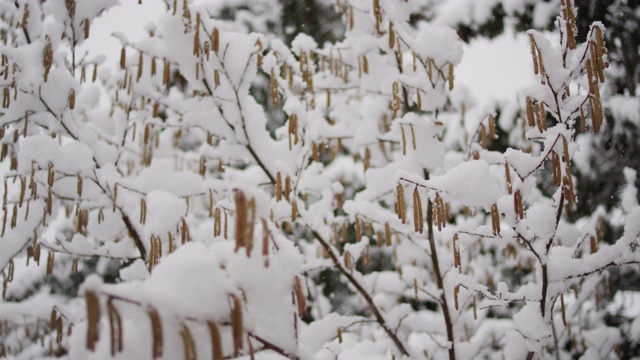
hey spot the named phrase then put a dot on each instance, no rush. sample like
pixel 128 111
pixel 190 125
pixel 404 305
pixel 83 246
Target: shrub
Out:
pixel 196 231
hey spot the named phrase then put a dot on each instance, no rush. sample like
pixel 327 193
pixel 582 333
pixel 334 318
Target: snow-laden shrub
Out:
pixel 212 237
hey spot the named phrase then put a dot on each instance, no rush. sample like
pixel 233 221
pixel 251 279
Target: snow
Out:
pixel 135 272
pixel 303 43
pixel 629 196
pixel 542 218
pixel 129 18
pixel 438 43
pixel 317 334
pixel 495 71
pixel 212 138
pixel 160 176
pixel 470 183
pixel 625 108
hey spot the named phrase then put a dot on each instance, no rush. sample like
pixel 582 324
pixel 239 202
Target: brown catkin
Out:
pixel 348 260
pixel 583 121
pixel 14 216
pixel 93 319
pixel 23 185
pixel 413 137
pixel 156 333
pixel 187 343
pixel 392 36
pixel 115 328
pixel 196 37
pixel 215 42
pixel 483 136
pixel 74 264
pixel 216 341
pixel 143 211
pixel 50 174
pixel 47 58
pixel 600 39
pixel 418 221
pixel 300 298
pixel 507 173
pixel 166 72
pixel 404 141
pixel 366 258
pixel 400 203
pixel 531 120
pixel 456 251
pixel 590 77
pixel 495 219
pixel 140 67
pixel 534 54
pixel 251 226
pixel 387 234
pixel 265 241
pixel 278 186
pixel 216 78
pixel 597 113
pixel 184 230
pixel 566 157
pixel 556 171
pixel 52 318
pixel 72 99
pixel 36 253
pixel 367 158
pixel 78 185
pixel 436 211
pixel 598 60
pixel 237 325
pixel 241 219
pixel 123 58
pixel 315 154
pixel 226 223
pixel 153 66
pixel 542 119
pixel 519 208
pixel 351 18
pixel 217 228
pixel 594 244
pixel 49 201
pixel 294 211
pixel 287 187
pixel 492 128
pixel 543 73
pixel 442 214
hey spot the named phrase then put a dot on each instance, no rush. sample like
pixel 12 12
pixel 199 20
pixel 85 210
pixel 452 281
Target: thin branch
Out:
pixel 271 346
pixel 439 278
pixel 372 306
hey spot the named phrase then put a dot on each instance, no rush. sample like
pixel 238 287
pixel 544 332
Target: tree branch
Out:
pixel 438 275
